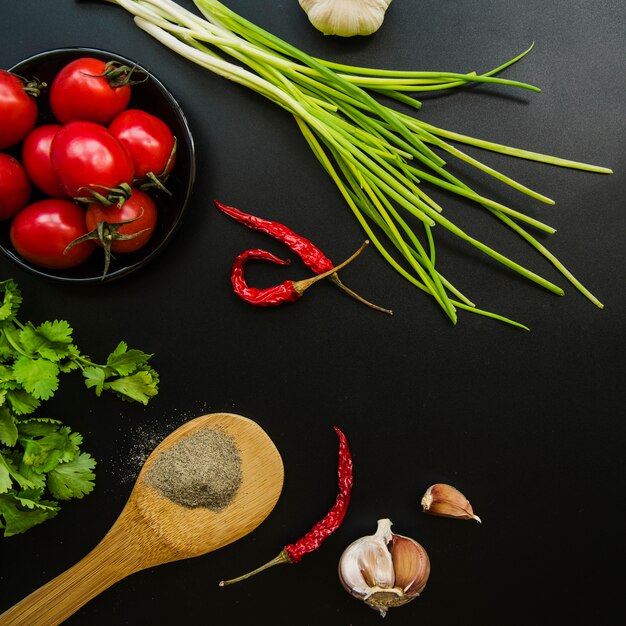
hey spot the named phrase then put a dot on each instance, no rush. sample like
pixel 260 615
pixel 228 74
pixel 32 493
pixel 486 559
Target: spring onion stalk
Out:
pixel 380 158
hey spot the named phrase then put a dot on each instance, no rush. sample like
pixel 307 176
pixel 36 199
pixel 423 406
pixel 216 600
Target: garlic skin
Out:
pixel 384 570
pixel 346 18
pixel 447 501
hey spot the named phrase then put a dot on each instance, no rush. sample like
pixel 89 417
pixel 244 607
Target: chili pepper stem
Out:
pixel 283 557
pixel 335 278
pixel 301 285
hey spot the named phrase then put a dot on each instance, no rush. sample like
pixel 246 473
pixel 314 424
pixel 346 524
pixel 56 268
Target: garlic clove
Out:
pixel 411 565
pixel 366 563
pixel 384 570
pixel 447 501
pixel 346 18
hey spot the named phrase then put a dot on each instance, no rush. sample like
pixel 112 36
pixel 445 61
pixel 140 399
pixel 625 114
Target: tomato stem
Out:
pixel 118 75
pixel 158 181
pixel 106 233
pixel 32 87
pixel 113 195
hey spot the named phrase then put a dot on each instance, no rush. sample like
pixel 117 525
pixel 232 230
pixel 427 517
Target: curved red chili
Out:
pixel 294 552
pixel 310 254
pixel 288 291
pixel 272 296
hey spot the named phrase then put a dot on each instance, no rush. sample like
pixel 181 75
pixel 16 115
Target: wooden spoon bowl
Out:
pixel 152 530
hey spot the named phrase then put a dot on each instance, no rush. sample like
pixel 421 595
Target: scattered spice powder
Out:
pixel 140 440
pixel 202 469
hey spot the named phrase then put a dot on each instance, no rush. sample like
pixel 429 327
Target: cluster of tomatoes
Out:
pixel 92 170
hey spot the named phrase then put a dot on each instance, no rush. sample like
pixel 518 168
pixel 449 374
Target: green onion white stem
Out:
pixel 375 148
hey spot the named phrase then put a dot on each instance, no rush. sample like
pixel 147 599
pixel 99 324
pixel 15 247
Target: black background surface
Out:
pixel 529 425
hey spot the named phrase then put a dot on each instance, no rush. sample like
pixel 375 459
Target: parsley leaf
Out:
pixel 73 479
pixel 139 387
pixel 21 512
pixel 46 443
pixel 11 301
pixel 5 475
pixel 136 381
pixel 8 428
pixel 51 340
pixel 94 377
pixel 38 376
pixel 21 402
pixel 124 362
pixel 9 473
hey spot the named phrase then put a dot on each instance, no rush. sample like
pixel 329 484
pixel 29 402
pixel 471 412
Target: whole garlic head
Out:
pixel 384 570
pixel 346 17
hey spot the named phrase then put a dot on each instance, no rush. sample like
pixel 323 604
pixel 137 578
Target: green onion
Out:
pixel 379 158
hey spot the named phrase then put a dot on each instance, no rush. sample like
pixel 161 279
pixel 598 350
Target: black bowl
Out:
pixel 152 96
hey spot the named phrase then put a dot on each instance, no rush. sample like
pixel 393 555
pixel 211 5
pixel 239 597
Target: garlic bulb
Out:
pixel 385 569
pixel 346 17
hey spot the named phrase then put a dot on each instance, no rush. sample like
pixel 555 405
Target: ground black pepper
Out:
pixel 203 469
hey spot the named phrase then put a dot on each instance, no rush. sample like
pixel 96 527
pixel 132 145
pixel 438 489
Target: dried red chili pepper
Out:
pixel 294 552
pixel 310 254
pixel 287 291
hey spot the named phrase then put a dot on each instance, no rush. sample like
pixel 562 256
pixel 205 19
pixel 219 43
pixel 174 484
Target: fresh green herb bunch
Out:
pixel 385 162
pixel 40 458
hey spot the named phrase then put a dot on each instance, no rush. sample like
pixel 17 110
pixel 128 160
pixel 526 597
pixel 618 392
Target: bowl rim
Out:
pixel 186 192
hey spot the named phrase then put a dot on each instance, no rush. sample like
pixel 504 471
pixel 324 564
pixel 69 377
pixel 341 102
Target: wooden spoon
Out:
pixel 152 530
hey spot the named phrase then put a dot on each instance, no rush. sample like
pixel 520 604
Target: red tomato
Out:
pixel 15 187
pixel 18 109
pixel 37 163
pixel 139 210
pixel 85 155
pixel 41 232
pixel 88 89
pixel 148 139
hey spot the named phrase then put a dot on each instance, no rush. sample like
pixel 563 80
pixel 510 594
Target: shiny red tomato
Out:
pixel 85 156
pixel 149 140
pixel 18 109
pixel 127 228
pixel 37 163
pixel 89 89
pixel 15 187
pixel 41 232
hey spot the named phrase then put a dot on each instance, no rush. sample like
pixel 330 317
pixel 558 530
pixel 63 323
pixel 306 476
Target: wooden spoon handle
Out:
pixel 60 598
